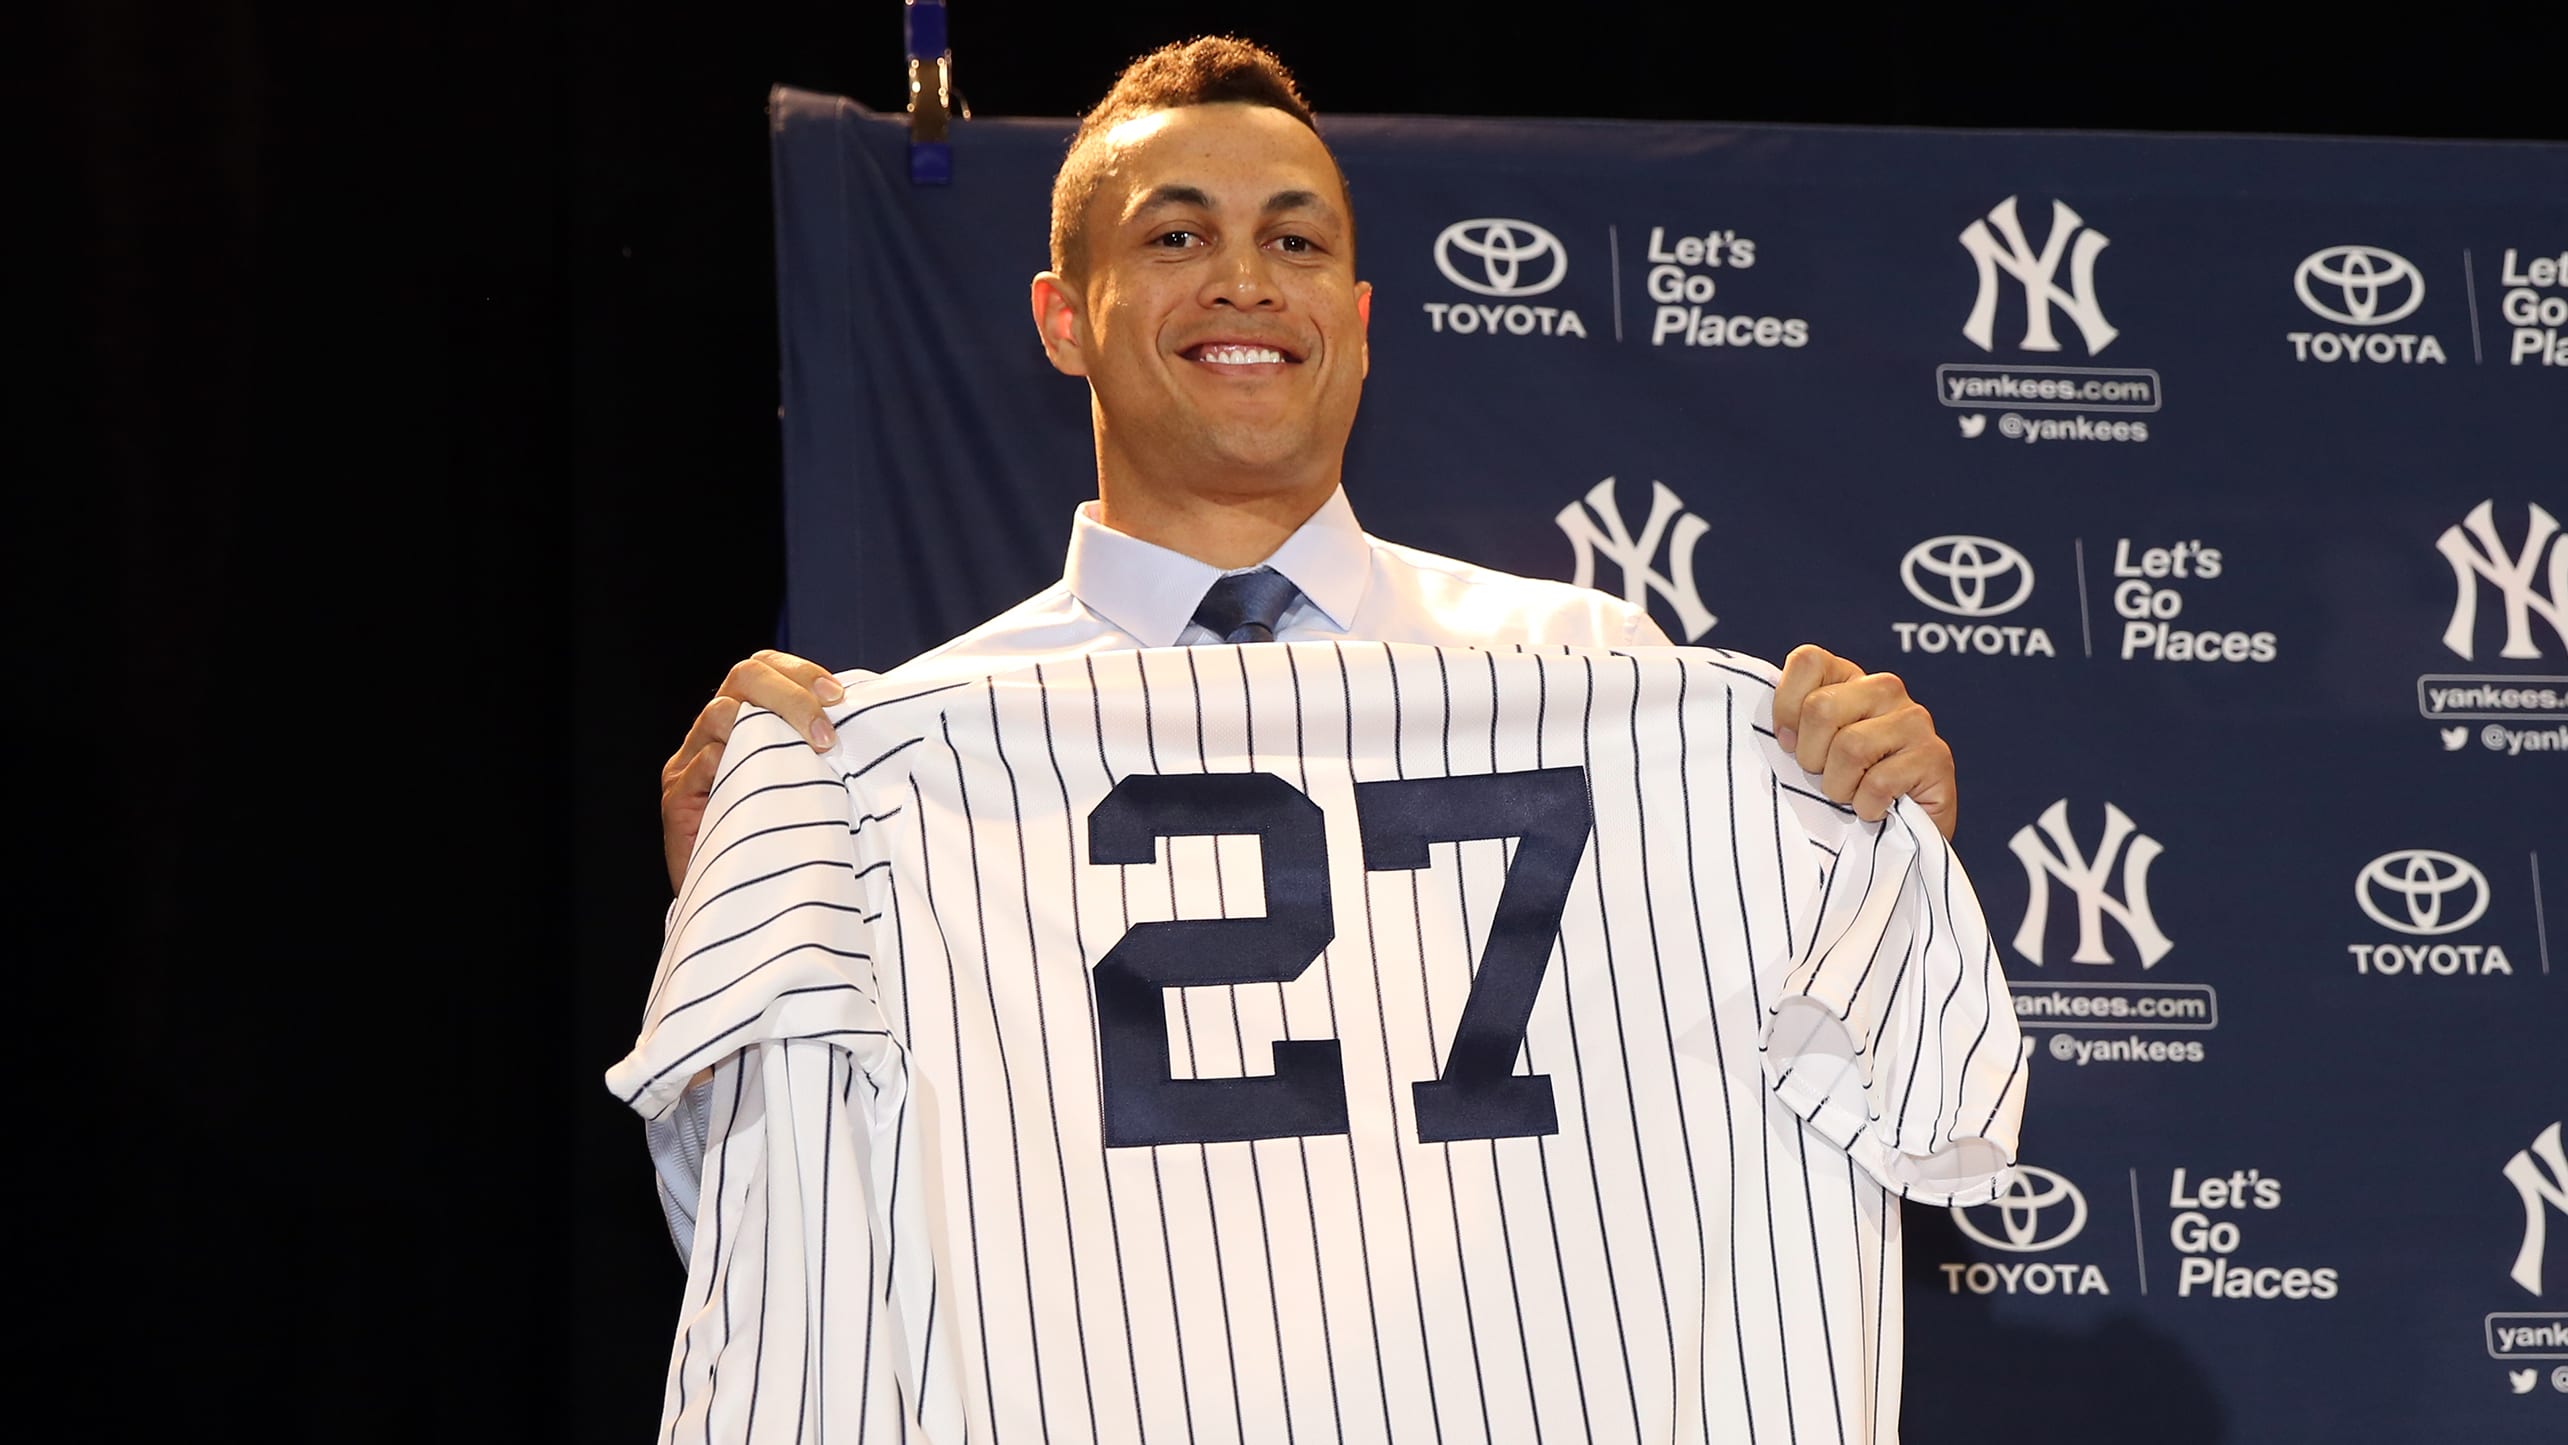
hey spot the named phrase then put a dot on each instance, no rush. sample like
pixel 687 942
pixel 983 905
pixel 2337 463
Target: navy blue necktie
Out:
pixel 1245 606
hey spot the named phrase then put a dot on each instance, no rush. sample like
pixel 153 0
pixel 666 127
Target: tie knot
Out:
pixel 1245 606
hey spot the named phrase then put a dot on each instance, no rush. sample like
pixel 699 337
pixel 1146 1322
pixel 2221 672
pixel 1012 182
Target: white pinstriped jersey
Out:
pixel 1317 1041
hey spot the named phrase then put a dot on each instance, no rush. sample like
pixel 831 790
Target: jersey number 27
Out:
pixel 1477 1096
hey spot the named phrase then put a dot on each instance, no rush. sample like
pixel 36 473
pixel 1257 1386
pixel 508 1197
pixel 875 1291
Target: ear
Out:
pixel 1364 326
pixel 1058 319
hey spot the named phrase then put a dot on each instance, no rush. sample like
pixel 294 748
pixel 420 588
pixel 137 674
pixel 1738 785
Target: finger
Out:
pixel 683 799
pixel 755 681
pixel 1923 775
pixel 711 731
pixel 1840 705
pixel 1854 751
pixel 1806 669
pixel 1877 761
pixel 806 674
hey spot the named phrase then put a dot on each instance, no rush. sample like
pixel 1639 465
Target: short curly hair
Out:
pixel 1209 70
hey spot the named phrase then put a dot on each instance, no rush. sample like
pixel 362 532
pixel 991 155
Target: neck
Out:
pixel 1219 531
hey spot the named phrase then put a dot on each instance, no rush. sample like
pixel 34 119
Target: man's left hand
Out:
pixel 1868 741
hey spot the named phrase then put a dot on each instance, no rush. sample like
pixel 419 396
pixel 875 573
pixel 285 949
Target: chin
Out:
pixel 1282 450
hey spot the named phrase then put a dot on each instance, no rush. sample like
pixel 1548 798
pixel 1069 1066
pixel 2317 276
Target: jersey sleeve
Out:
pixel 772 936
pixel 792 1313
pixel 1892 1033
pixel 779 1096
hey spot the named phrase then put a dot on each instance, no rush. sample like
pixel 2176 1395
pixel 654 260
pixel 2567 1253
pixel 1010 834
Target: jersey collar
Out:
pixel 1150 592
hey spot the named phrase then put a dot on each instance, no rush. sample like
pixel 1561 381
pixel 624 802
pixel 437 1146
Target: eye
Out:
pixel 1175 240
pixel 1297 245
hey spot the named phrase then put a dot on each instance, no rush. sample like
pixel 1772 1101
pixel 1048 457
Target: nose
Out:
pixel 1243 280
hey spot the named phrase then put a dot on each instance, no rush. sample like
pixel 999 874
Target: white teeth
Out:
pixel 1239 355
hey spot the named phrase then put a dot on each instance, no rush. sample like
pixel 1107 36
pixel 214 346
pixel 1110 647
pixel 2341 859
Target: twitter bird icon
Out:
pixel 2522 1380
pixel 1973 425
pixel 2453 738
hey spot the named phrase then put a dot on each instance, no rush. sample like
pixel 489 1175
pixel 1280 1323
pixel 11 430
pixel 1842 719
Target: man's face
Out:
pixel 1219 324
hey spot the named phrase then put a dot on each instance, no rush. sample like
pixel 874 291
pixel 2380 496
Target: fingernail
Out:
pixel 828 690
pixel 823 736
pixel 1787 739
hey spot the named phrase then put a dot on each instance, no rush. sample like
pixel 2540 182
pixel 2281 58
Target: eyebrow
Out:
pixel 1173 195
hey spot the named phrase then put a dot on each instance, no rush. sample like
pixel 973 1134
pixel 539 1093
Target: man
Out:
pixel 1203 284
pixel 1190 245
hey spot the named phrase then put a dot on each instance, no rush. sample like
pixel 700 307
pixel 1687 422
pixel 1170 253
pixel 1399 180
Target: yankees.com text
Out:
pixel 2047 1005
pixel 2007 386
pixel 2480 698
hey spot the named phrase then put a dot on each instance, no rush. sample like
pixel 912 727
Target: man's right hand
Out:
pixel 783 684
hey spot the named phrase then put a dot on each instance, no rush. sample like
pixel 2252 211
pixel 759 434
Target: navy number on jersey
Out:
pixel 1477 1096
pixel 1143 1104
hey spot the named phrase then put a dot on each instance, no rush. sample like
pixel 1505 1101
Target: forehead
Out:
pixel 1234 153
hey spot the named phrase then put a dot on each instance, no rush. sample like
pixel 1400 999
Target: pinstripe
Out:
pixel 715 826
pixel 865 1355
pixel 1497 1185
pixel 1667 1029
pixel 1943 1012
pixel 854 713
pixel 1043 1035
pixel 1542 1154
pixel 1355 1164
pixel 754 969
pixel 1873 867
pixel 1883 1306
pixel 816 1334
pixel 734 760
pixel 1867 1305
pixel 1391 1100
pixel 1622 1039
pixel 1720 1051
pixel 766 1277
pixel 1159 1187
pixel 676 967
pixel 1578 1068
pixel 1819 1274
pixel 1194 1060
pixel 962 1096
pixel 1079 937
pixel 1427 998
pixel 1007 1094
pixel 1284 1012
pixel 836 819
pixel 713 1367
pixel 1765 1136
pixel 1239 1043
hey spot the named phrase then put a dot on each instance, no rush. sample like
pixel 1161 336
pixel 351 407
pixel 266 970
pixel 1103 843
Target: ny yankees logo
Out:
pixel 2085 877
pixel 2529 1181
pixel 2035 270
pixel 1616 542
pixel 2512 576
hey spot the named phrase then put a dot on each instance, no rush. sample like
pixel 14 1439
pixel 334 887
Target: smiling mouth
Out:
pixel 1232 354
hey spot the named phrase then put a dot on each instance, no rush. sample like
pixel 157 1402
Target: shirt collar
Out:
pixel 1151 592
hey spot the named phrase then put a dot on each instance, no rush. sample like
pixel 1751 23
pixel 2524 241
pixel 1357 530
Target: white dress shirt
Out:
pixel 1118 591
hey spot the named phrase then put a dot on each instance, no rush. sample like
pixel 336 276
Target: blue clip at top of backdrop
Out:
pixel 931 92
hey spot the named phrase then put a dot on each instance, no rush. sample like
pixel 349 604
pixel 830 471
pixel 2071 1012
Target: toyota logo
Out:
pixel 2359 277
pixel 1964 567
pixel 2020 1208
pixel 2425 879
pixel 1504 253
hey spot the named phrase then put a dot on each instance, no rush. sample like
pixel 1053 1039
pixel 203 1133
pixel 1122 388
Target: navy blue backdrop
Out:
pixel 2205 487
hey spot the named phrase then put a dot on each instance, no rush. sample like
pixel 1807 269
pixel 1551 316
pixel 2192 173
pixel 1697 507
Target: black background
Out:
pixel 403 469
